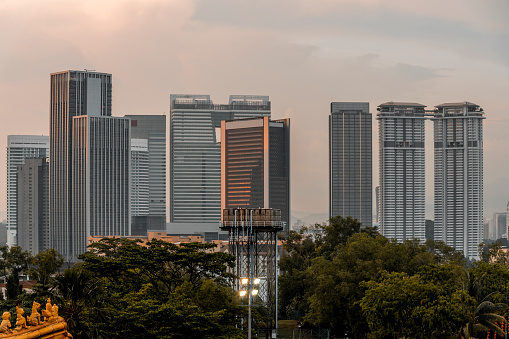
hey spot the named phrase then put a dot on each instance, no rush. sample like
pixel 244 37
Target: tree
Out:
pixel 13 288
pixel 426 305
pixel 337 233
pixel 484 318
pixel 79 294
pixel 17 259
pixel 42 267
pixel 161 290
pixel 295 281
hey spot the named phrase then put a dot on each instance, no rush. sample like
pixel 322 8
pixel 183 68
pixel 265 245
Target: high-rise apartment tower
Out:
pixel 350 161
pixel 19 148
pixel 195 152
pixel 458 140
pixel 255 165
pixel 402 170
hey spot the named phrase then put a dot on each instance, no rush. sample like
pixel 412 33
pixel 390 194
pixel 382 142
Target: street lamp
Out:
pixel 249 287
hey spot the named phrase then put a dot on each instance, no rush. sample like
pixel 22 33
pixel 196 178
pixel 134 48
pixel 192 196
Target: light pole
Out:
pixel 249 287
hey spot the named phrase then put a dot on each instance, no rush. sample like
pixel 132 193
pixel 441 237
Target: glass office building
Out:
pixel 255 165
pixel 195 152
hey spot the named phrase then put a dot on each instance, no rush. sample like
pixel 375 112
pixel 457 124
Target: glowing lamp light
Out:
pixel 244 281
pixel 257 281
pixel 242 293
pixel 255 292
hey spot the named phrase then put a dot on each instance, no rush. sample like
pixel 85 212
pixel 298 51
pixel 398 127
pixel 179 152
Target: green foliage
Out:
pixel 12 286
pixel 127 266
pixel 332 279
pixel 17 259
pixel 209 311
pixel 403 306
pixel 79 295
pixel 159 291
pixel 42 267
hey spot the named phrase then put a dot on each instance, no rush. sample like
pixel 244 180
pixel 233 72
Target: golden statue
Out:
pixel 54 313
pixel 5 326
pixel 35 318
pixel 53 327
pixel 21 322
pixel 47 313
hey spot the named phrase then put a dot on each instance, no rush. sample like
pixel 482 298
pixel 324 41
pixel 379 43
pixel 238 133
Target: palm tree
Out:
pixel 484 318
pixel 80 294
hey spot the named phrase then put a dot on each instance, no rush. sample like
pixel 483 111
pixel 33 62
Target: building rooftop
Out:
pixel 457 104
pixel 403 104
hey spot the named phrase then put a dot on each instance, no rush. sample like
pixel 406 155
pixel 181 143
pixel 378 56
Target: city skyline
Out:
pixel 458 53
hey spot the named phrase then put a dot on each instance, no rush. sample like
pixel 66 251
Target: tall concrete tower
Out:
pixel 458 140
pixel 350 161
pixel 402 170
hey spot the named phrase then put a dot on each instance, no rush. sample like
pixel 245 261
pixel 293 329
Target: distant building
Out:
pixel 142 224
pixel 377 204
pixel 350 161
pixel 72 94
pixel 222 245
pixel 153 129
pixel 195 153
pixel 500 225
pixel 140 195
pixel 430 225
pixel 3 233
pixel 33 205
pixel 458 141
pixel 402 170
pixel 255 165
pixel 19 148
pixel 101 174
pixel 507 220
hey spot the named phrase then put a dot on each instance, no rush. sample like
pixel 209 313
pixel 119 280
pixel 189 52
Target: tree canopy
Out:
pixel 360 284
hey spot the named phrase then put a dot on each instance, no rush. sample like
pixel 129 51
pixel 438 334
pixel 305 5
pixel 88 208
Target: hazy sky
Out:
pixel 302 53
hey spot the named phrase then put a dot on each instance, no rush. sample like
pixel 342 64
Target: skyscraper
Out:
pixel 350 156
pixel 402 170
pixel 72 93
pixel 19 148
pixel 255 165
pixel 32 205
pixel 195 152
pixel 100 190
pixel 458 138
pixel 153 129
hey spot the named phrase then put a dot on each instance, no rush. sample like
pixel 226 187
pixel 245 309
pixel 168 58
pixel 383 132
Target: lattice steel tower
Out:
pixel 253 241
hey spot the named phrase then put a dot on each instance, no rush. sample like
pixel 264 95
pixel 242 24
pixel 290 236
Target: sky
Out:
pixel 303 54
